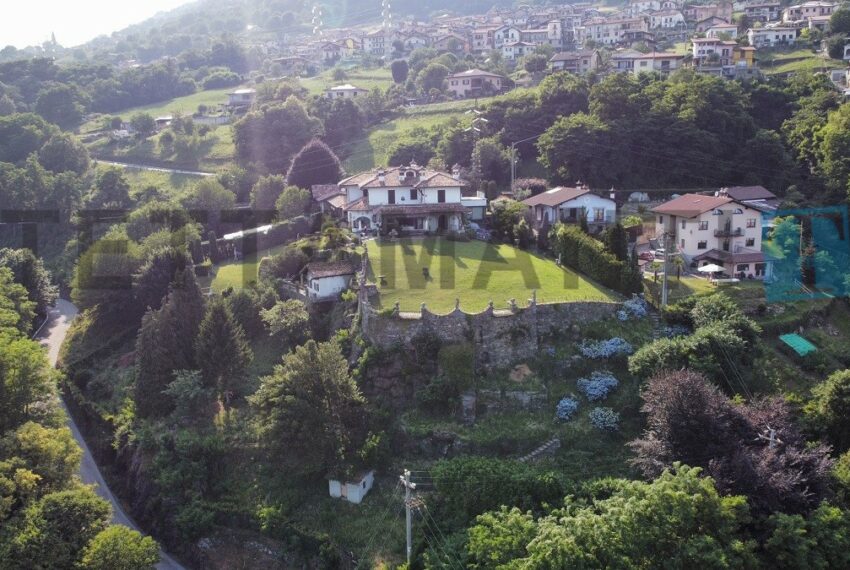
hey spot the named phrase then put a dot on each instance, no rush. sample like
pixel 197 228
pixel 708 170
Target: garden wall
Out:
pixel 500 337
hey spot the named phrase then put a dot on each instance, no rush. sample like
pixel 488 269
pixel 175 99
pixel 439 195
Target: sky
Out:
pixel 30 22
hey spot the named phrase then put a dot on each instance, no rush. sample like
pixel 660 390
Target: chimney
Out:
pixel 456 171
pixel 382 176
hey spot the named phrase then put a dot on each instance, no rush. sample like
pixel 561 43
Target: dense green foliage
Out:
pixel 588 255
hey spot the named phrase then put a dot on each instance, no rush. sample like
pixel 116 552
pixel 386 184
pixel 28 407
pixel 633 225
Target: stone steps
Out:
pixel 547 449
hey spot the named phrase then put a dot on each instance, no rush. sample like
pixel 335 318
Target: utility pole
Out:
pixel 666 257
pixel 769 436
pixel 408 504
pixel 513 156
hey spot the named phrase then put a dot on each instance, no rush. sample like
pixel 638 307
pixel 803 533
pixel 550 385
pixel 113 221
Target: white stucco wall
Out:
pixel 328 287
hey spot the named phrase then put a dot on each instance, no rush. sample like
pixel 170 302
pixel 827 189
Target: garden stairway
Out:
pixel 547 449
pixel 658 326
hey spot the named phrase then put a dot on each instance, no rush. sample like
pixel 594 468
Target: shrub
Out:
pixel 606 348
pixel 587 255
pixel 566 409
pixel 605 419
pixel 634 308
pixel 598 386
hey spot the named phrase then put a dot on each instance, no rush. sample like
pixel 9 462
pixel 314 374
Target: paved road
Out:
pixel 51 336
pixel 155 168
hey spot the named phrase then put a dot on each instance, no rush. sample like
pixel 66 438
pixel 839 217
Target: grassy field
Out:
pixel 214 151
pixel 364 78
pixel 474 272
pixel 371 151
pixel 238 274
pixel 168 184
pixel 775 62
pixel 185 105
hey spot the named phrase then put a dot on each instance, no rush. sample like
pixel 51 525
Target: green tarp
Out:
pixel 800 345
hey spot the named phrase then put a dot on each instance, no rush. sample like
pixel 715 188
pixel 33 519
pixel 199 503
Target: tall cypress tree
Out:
pixel 165 344
pixel 316 163
pixel 221 351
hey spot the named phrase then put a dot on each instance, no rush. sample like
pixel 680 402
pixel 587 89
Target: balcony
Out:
pixel 728 232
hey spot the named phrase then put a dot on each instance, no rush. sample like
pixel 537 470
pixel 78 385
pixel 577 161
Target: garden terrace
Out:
pixel 439 272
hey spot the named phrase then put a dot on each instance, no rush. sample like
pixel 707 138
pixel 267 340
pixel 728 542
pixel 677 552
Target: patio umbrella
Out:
pixel 711 268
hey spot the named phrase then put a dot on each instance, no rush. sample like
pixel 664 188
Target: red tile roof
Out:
pixel 691 205
pixel 322 192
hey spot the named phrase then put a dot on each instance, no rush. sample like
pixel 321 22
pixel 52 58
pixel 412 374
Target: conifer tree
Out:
pixel 316 163
pixel 221 351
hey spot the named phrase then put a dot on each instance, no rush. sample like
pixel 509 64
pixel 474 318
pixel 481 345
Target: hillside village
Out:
pixel 541 286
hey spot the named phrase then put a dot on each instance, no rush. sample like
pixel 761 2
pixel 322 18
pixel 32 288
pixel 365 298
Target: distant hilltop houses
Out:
pixel 715 44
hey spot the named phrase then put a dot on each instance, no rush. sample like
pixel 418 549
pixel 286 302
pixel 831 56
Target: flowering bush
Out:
pixel 634 308
pixel 566 409
pixel 598 386
pixel 606 348
pixel 605 419
pixel 550 351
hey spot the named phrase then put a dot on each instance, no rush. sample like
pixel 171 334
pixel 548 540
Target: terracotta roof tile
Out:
pixel 317 270
pixel 691 205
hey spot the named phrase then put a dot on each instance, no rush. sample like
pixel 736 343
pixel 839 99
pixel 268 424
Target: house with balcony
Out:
pixel 807 10
pixel 706 229
pixel 346 91
pixel 577 62
pixel 656 62
pixel 568 205
pixel 474 83
pixel 411 198
pixel 772 37
pixel 729 31
pixel 763 11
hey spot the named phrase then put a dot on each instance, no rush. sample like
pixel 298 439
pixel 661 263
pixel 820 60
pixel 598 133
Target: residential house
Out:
pixel 611 32
pixel 331 52
pixel 352 491
pixel 349 47
pixel 806 10
pixel 241 97
pixel 415 40
pixel 756 197
pixel 714 229
pixel 727 31
pixel 412 198
pixel 505 35
pixel 771 37
pixel 483 39
pixel 701 12
pixel 568 205
pixel 578 62
pixel 452 43
pixel 325 281
pixel 347 91
pixel 636 7
pixel 474 82
pixel 330 198
pixel 515 50
pixel 712 51
pixel 667 19
pixel 476 206
pixel 704 25
pixel 378 43
pixel 763 11
pixel 657 62
pixel 623 61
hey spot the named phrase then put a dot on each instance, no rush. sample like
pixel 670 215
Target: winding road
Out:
pixel 51 335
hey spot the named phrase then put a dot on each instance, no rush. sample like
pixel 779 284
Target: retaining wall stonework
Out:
pixel 500 337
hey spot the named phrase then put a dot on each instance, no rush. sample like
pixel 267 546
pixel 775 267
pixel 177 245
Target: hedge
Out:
pixel 587 255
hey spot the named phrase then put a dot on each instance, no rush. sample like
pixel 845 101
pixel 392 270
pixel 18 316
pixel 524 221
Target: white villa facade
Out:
pixel 412 198
pixel 715 229
pixel 325 281
pixel 567 205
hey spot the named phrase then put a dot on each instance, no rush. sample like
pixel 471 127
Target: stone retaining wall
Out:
pixel 500 337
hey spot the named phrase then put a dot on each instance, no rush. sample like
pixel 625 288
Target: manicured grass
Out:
pixel 168 184
pixel 814 63
pixel 474 272
pixel 238 274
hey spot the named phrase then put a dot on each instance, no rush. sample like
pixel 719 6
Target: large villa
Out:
pixel 413 198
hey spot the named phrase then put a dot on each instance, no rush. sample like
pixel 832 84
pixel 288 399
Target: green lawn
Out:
pixel 794 60
pixel 238 274
pixel 474 272
pixel 185 105
pixel 677 289
pixel 168 184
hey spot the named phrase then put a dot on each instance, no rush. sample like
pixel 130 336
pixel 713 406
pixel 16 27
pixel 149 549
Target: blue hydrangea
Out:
pixel 606 348
pixel 566 409
pixel 605 419
pixel 550 351
pixel 598 386
pixel 675 330
pixel 634 308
